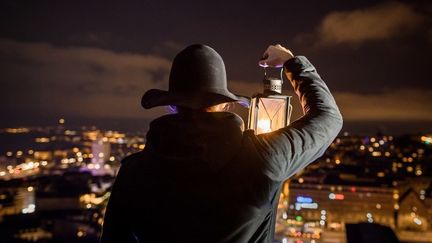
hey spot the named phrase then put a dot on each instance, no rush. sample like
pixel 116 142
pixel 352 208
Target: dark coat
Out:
pixel 201 178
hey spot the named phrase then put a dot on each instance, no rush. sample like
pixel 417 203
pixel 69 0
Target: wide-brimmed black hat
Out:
pixel 197 80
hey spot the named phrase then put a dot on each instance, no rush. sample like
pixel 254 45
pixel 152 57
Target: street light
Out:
pixel 270 110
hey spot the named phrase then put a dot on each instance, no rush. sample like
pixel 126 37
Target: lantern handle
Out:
pixel 281 73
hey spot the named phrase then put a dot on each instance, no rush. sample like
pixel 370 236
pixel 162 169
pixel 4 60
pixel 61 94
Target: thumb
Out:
pixel 264 59
pixel 263 63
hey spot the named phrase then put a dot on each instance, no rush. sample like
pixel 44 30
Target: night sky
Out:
pixel 94 59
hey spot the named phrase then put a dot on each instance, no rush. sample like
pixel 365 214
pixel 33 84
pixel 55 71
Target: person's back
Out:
pixel 201 178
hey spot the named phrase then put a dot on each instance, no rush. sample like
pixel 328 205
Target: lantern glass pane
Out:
pixel 272 115
pixel 269 113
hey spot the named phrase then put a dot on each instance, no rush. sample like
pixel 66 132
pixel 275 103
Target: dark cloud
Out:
pixel 390 105
pixel 381 22
pixel 370 49
pixel 90 59
pixel 168 49
pixel 76 80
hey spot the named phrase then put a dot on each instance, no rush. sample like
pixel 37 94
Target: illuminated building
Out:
pixel 43 155
pixel 341 204
pixel 412 213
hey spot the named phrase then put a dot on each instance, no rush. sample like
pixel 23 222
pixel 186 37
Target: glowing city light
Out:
pixel 426 140
pixel 42 140
pixel 376 153
pixel 17 130
pixel 301 199
pixel 29 209
pixel 80 233
pixel 299 206
pixel 336 196
pixel 369 217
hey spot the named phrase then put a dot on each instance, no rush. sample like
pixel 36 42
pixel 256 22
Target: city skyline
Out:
pixel 61 174
pixel 87 61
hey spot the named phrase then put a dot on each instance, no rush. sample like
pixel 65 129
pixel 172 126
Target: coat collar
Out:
pixel 210 137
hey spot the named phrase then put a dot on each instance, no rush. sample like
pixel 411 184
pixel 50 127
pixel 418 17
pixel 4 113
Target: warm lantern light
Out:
pixel 271 110
pixel 264 125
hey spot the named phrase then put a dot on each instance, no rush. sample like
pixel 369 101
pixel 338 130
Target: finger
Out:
pixel 266 53
pixel 263 63
pixel 270 62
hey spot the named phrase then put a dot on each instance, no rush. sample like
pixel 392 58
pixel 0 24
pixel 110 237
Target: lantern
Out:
pixel 270 110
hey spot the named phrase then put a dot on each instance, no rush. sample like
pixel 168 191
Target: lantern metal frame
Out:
pixel 272 90
pixel 255 109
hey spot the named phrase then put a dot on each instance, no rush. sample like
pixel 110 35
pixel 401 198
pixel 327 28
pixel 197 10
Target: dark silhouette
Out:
pixel 200 177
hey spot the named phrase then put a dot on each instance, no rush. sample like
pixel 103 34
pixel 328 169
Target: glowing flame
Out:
pixel 264 126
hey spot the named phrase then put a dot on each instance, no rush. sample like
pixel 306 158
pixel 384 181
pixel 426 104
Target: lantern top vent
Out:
pixel 272 83
pixel 272 86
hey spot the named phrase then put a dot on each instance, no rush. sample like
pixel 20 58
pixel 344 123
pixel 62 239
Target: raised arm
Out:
pixel 294 147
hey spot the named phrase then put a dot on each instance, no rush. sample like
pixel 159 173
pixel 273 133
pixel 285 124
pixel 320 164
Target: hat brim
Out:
pixel 155 97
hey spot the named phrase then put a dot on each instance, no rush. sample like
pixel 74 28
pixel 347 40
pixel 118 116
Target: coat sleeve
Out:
pixel 292 148
pixel 116 227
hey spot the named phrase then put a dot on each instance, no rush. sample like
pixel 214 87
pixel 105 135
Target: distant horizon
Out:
pixel 360 128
